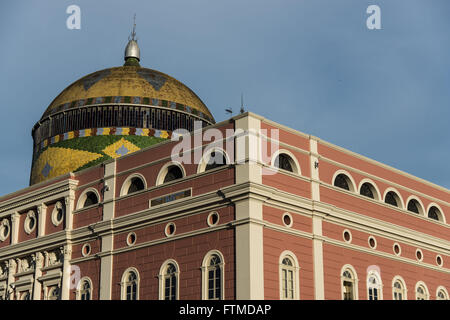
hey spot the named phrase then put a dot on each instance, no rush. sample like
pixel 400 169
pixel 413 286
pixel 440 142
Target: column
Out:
pixel 106 262
pixel 249 235
pixel 319 292
pixel 42 217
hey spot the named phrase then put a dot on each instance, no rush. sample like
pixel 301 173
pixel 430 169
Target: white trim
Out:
pixel 290 218
pixel 206 156
pixel 295 165
pixel 55 213
pixel 131 243
pixel 343 235
pixel 374 188
pixel 26 224
pixel 126 184
pixel 79 287
pixel 442 260
pixel 161 277
pixel 204 268
pixel 399 249
pixel 421 207
pixel 445 292
pixel 440 213
pixel 86 245
pixel 352 270
pixel 351 185
pixel 398 197
pixel 210 224
pixel 5 223
pixel 379 285
pixel 422 284
pixel 163 171
pixel 295 267
pixel 421 255
pixel 123 288
pixel 83 196
pixel 403 284
pixel 166 229
pixel 374 239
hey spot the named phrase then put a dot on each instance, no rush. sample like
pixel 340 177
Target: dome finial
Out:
pixel 132 52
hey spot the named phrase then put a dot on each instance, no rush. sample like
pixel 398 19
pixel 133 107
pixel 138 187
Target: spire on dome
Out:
pixel 132 52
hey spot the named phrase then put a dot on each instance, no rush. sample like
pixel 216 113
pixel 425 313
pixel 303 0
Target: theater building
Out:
pixel 110 214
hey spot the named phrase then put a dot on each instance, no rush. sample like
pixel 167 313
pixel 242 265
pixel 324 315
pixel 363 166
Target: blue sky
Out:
pixel 309 64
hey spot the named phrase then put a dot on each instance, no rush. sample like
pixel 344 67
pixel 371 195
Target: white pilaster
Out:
pixel 66 283
pixel 249 235
pixel 42 217
pixel 15 225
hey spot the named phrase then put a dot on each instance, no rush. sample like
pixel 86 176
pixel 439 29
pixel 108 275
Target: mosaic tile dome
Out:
pixel 111 113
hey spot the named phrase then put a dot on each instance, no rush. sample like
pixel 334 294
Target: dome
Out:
pixel 130 84
pixel 111 113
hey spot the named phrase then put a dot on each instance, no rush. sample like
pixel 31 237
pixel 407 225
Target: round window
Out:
pixel 287 220
pixel 397 249
pixel 170 229
pixel 58 214
pixel 131 238
pixel 347 236
pixel 86 250
pixel 372 242
pixel 30 222
pixel 213 219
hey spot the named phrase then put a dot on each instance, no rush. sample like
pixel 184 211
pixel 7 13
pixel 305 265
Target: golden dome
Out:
pixel 126 84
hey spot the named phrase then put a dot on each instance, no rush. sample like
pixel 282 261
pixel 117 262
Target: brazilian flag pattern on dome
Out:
pixel 79 150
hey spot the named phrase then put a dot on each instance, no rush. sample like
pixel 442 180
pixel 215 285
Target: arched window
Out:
pixel 413 206
pixel 289 286
pixel 173 173
pixel 216 159
pixel 344 182
pixel 434 213
pixel 91 199
pixel 392 198
pixel 85 289
pixel 130 285
pixel 213 272
pixel 441 294
pixel 348 285
pixel 367 190
pixel 287 279
pixel 421 291
pixel 168 277
pixel 374 287
pixel 398 289
pixel 283 161
pixel 136 184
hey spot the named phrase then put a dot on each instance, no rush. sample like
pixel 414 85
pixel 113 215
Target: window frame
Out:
pixel 379 285
pixel 123 283
pixel 404 289
pixel 205 269
pixel 296 169
pixel 424 286
pixel 398 198
pixel 355 280
pixel 206 156
pixel 349 178
pixel 162 278
pixel 80 288
pixel 127 183
pixel 165 169
pixel 295 268
pixel 83 197
pixel 374 188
